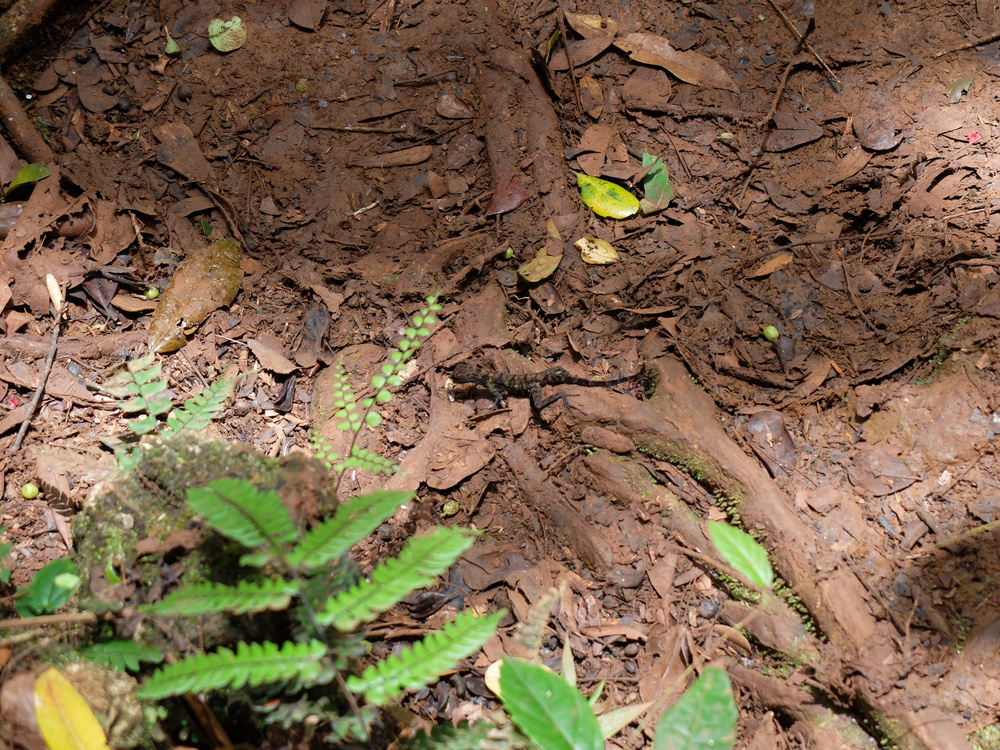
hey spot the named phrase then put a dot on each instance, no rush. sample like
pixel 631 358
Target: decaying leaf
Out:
pixel 539 267
pixel 589 26
pixel 692 67
pixel 204 281
pixel 595 251
pixel 64 718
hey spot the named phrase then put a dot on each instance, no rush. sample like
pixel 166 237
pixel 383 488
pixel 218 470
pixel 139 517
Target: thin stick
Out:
pixel 560 19
pixel 802 40
pixel 968 45
pixel 36 622
pixel 57 326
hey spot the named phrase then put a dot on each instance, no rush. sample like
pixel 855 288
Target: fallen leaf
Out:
pixel 539 267
pixel 206 280
pixel 771 265
pixel 595 251
pixel 451 107
pixel 269 351
pixel 580 52
pixel 589 26
pixel 606 198
pixel 692 67
pixel 64 718
pixel 508 196
pixel 791 130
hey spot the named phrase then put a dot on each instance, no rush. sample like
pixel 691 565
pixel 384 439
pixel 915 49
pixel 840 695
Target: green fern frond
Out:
pixel 423 559
pixel 246 596
pixel 426 660
pixel 323 451
pixel 367 461
pixel 140 387
pixel 351 523
pixel 121 655
pixel 252 664
pixel 196 413
pixel 242 512
pixel 347 415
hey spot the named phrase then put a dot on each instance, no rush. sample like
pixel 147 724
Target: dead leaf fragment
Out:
pixel 451 107
pixel 771 265
pixel 206 280
pixel 270 352
pixel 539 267
pixel 879 121
pixel 791 130
pixel 589 26
pixel 691 67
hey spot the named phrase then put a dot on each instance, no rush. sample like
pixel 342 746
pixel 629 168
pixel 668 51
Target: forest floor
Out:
pixel 841 187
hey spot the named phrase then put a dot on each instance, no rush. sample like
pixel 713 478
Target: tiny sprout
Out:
pixel 507 254
pixel 29 491
pixel 302 85
pixel 171 48
pixel 151 293
pixel 771 333
pixel 450 508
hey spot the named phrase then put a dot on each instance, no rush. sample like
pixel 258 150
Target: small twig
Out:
pixel 560 19
pixel 42 620
pixel 803 42
pixel 968 45
pixel 56 327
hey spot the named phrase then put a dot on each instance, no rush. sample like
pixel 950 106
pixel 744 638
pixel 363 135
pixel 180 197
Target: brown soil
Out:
pixel 841 189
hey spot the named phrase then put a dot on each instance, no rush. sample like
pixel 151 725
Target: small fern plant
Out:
pixel 141 389
pixel 305 575
pixel 295 562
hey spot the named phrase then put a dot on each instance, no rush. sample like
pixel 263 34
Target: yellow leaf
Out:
pixel 206 280
pixel 596 251
pixel 606 198
pixel 64 718
pixel 539 267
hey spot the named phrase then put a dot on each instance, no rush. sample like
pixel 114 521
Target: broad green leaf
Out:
pixel 27 173
pixel 615 721
pixel 655 185
pixel 606 198
pixel 743 552
pixel 704 718
pixel 227 36
pixel 44 594
pixel 551 713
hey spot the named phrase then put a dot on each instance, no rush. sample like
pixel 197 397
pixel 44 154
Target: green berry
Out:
pixel 29 491
pixel 302 85
pixel 771 333
pixel 152 293
pixel 507 254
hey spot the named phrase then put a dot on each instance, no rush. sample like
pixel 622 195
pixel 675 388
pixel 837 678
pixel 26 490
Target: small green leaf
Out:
pixel 551 713
pixel 743 552
pixel 655 185
pixel 27 173
pixel 606 198
pixel 704 718
pixel 374 419
pixel 227 36
pixel 44 595
pixel 956 89
pixel 171 48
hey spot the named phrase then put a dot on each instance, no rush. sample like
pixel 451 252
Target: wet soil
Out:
pixel 835 177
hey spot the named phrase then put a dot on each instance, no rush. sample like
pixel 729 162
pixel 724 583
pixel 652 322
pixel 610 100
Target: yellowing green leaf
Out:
pixel 596 251
pixel 206 280
pixel 606 198
pixel 539 267
pixel 226 36
pixel 65 720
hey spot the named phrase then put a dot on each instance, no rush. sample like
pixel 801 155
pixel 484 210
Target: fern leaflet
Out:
pixel 197 412
pixel 426 660
pixel 246 596
pixel 352 522
pixel 121 654
pixel 252 664
pixel 242 512
pixel 423 559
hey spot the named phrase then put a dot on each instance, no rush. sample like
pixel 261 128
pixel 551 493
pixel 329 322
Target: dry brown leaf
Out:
pixel 206 280
pixel 692 67
pixel 405 158
pixel 270 352
pixel 589 26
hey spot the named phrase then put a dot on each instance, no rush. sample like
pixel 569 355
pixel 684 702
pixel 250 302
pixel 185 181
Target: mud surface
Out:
pixel 841 188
